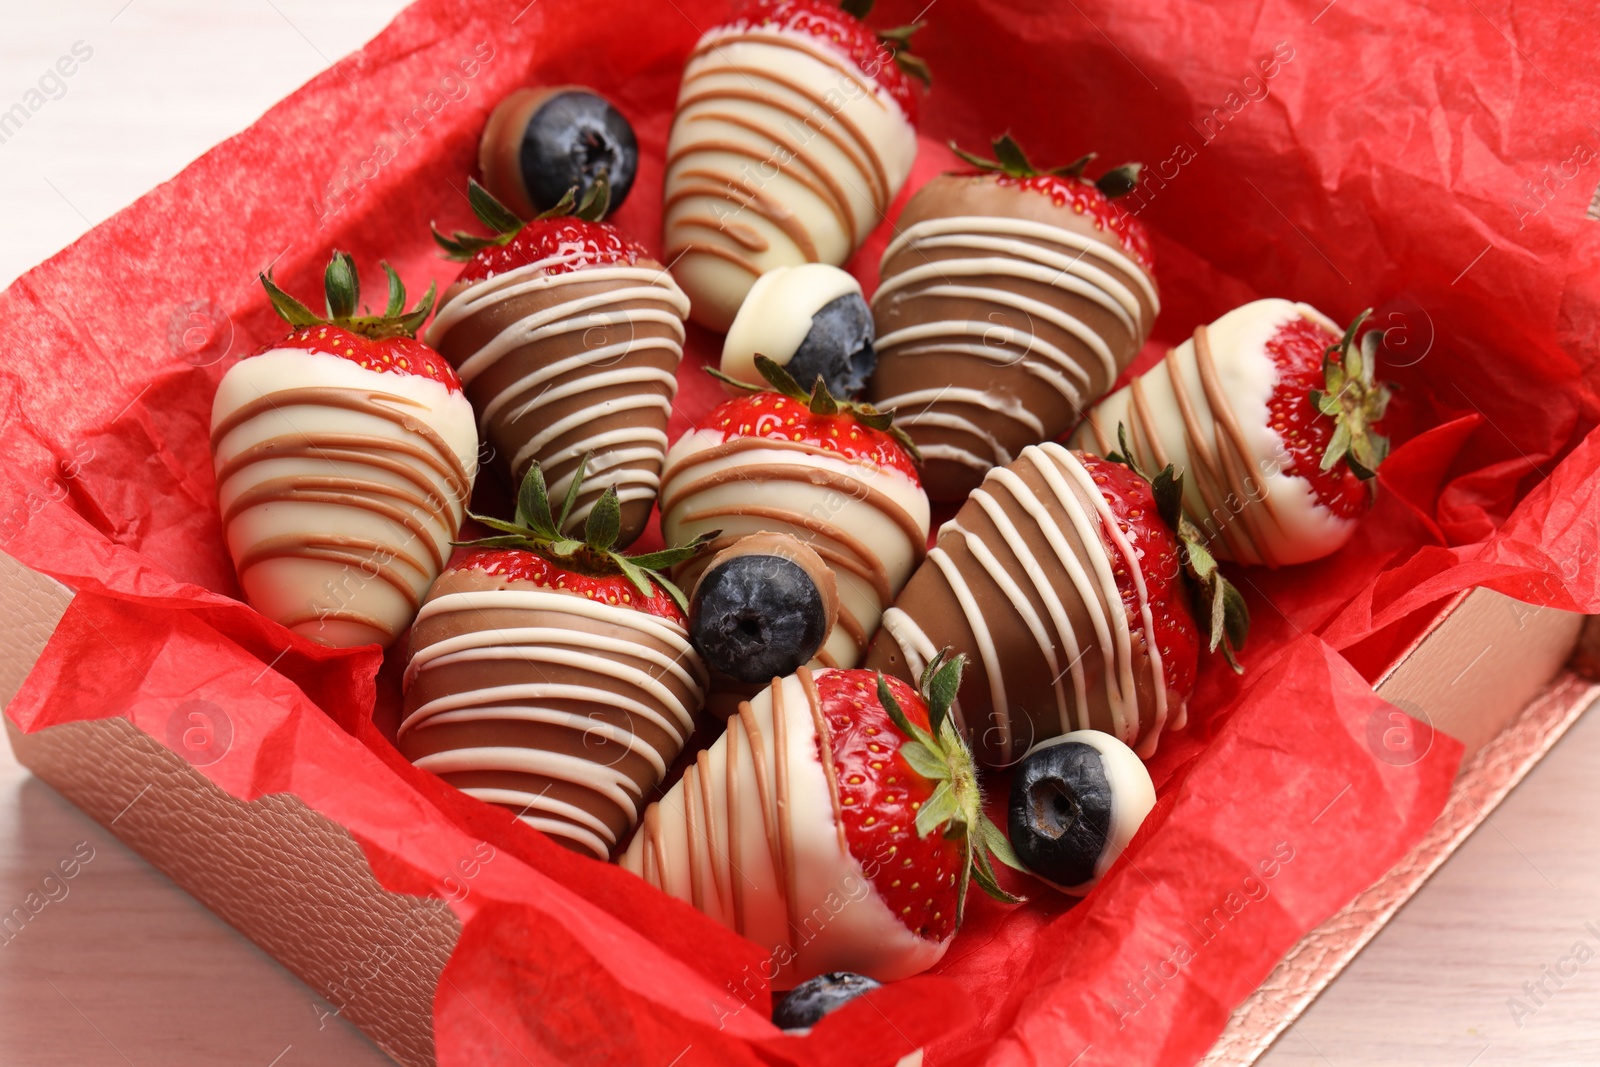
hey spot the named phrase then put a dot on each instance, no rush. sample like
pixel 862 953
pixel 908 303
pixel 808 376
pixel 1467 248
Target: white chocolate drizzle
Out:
pixel 1002 248
pixel 628 454
pixel 626 673
pixel 1073 502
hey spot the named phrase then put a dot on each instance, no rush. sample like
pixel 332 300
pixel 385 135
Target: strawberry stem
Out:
pixel 955 808
pixel 535 529
pixel 342 292
pixel 1355 400
pixel 505 224
pixel 1013 162
pixel 820 401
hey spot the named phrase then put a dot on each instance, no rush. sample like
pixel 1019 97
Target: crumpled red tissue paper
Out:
pixel 1434 160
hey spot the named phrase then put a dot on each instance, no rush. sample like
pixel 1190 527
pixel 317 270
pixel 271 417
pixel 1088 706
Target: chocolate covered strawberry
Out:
pixel 1271 415
pixel 837 823
pixel 1011 300
pixel 831 473
pixel 794 132
pixel 1073 586
pixel 567 336
pixel 344 457
pixel 552 675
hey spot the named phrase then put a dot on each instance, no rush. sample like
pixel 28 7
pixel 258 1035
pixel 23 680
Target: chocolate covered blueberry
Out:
pixel 762 608
pixel 1076 802
pixel 541 142
pixel 813 321
pixel 809 1001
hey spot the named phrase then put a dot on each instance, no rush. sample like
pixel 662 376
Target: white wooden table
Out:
pixel 126 969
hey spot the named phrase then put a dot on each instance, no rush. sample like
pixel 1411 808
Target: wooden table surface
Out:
pixel 124 968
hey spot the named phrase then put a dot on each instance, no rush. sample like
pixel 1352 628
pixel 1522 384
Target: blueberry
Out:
pixel 1076 801
pixel 809 1001
pixel 757 617
pixel 573 137
pixel 838 348
pixel 810 319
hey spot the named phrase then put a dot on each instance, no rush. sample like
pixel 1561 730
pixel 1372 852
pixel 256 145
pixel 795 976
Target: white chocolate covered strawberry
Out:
pixel 1270 413
pixel 831 473
pixel 345 456
pixel 794 133
pixel 837 823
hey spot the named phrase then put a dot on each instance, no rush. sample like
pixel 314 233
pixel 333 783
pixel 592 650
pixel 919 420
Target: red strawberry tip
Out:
pixel 537 529
pixel 822 402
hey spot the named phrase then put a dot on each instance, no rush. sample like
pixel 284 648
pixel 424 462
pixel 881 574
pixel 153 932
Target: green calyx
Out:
pixel 820 401
pixel 535 528
pixel 1355 400
pixel 1012 161
pixel 506 225
pixel 956 807
pixel 1217 602
pixel 897 40
pixel 342 288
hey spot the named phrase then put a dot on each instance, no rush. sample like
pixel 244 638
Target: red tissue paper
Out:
pixel 1434 160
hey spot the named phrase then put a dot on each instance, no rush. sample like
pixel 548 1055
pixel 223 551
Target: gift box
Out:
pixel 1428 166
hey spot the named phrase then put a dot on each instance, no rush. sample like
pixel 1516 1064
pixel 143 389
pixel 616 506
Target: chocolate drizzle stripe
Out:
pixel 1220 465
pixel 556 636
pixel 625 426
pixel 648 673
pixel 315 615
pixel 1071 501
pixel 366 449
pixel 692 824
pixel 875 172
pixel 331 548
pixel 1065 636
pixel 743 235
pixel 854 488
pixel 823 179
pixel 865 162
pixel 747 196
pixel 985 256
pixel 779 742
pixel 571 821
pixel 782 810
pixel 364 401
pixel 1237 455
pixel 819 722
pixel 972 227
pixel 735 806
pixel 823 191
pixel 1000 297
pixel 340 492
pixel 702 762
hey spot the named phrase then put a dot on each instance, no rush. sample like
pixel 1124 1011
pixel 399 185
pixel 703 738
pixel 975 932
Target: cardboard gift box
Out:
pixel 255 769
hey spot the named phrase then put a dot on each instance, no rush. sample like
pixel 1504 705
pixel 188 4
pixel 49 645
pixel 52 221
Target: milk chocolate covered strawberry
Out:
pixel 1011 300
pixel 837 822
pixel 345 455
pixel 831 473
pixel 567 336
pixel 1271 414
pixel 794 133
pixel 1064 582
pixel 552 675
